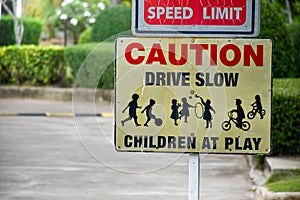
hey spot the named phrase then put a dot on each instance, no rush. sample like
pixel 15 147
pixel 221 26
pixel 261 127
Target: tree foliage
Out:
pixel 273 26
pixel 77 15
pixel 294 8
pixel 111 21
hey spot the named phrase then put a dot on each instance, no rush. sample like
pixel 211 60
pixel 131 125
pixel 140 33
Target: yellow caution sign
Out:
pixel 193 95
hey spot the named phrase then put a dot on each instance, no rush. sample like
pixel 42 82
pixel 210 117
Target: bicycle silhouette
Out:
pixel 226 125
pixel 251 114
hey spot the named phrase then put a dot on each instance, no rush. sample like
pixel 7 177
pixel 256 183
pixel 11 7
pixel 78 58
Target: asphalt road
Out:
pixel 74 158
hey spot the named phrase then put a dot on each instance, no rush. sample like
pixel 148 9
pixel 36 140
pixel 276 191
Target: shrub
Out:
pixel 33 65
pixel 286 117
pixel 7 37
pixel 94 63
pixel 273 26
pixel 32 31
pixel 111 21
pixel 86 36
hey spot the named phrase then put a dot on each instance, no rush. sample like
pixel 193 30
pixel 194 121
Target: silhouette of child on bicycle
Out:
pixel 240 113
pixel 257 107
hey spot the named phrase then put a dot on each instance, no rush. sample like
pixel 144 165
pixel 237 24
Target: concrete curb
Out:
pixel 262 193
pixel 57 94
pixel 277 164
pixel 259 177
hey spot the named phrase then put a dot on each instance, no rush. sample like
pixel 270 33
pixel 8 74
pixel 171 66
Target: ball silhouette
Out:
pixel 158 122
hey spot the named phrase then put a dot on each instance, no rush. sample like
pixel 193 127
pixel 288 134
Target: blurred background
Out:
pixel 44 43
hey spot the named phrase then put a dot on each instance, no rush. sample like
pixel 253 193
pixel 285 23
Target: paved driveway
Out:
pixel 62 158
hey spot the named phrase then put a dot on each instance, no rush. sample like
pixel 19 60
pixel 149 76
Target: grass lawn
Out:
pixel 284 182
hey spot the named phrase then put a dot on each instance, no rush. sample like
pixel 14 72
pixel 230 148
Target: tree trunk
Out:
pixel 18 24
pixel 288 11
pixel 19 30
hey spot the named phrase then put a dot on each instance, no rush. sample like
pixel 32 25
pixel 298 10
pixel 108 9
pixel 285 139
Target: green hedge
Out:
pixel 32 31
pixel 7 37
pixel 92 64
pixel 286 117
pixel 32 65
pixel 111 21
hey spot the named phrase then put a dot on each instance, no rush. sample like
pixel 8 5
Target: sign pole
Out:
pixel 194 176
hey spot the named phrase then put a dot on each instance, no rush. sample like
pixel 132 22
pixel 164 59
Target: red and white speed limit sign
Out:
pixel 196 18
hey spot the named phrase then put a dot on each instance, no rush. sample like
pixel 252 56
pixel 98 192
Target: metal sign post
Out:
pixel 155 78
pixel 194 177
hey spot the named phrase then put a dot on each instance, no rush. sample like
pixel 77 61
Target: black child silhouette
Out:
pixel 257 105
pixel 148 110
pixel 132 105
pixel 240 113
pixel 185 109
pixel 175 114
pixel 207 115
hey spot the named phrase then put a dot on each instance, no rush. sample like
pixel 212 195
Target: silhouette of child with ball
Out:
pixel 148 110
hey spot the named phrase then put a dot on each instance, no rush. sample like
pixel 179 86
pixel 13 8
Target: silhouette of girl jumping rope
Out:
pixel 207 115
pixel 132 105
